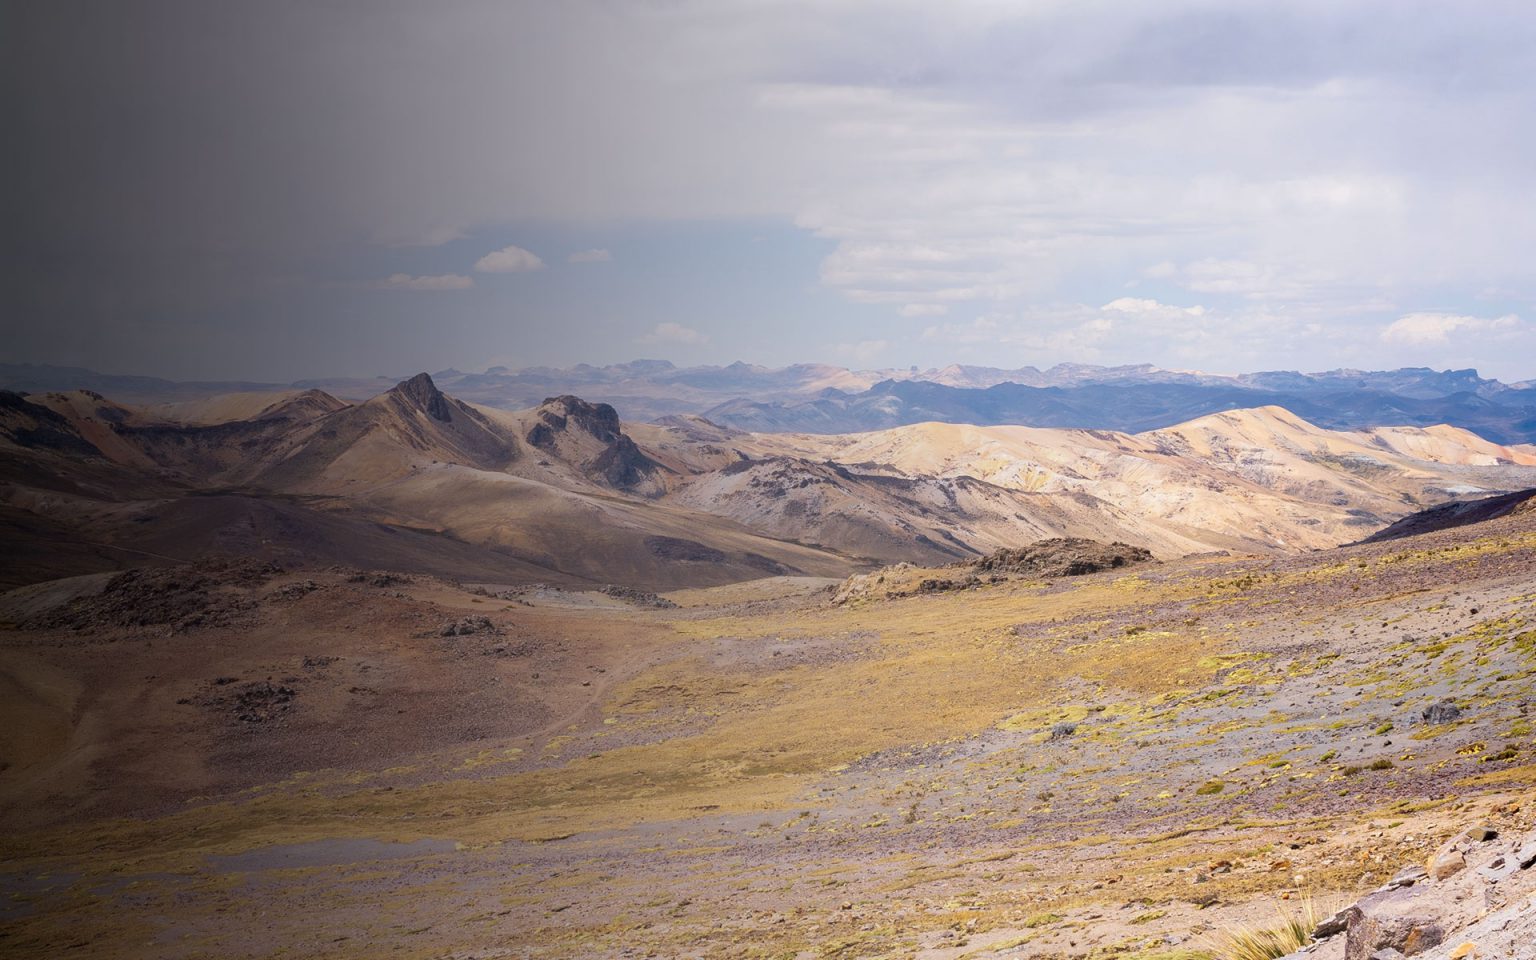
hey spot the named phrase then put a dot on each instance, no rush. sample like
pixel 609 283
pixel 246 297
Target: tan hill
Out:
pixel 1254 479
pixel 891 516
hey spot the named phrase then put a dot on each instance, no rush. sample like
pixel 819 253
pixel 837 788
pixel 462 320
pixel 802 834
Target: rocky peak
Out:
pixel 558 414
pixel 421 393
pixel 620 463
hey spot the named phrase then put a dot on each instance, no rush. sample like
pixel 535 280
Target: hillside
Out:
pixel 1459 513
pixel 567 491
pixel 347 763
pixel 558 493
pixel 1259 479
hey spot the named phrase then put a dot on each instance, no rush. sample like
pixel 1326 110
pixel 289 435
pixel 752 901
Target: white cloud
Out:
pixel 511 259
pixel 674 333
pixel 442 282
pixel 594 255
pixel 1419 329
pixel 1135 305
pixel 923 310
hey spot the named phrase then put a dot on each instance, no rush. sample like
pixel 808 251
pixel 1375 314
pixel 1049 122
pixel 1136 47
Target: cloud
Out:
pixel 1419 329
pixel 923 310
pixel 673 333
pixel 594 255
pixel 1144 307
pixel 1293 160
pixel 447 281
pixel 511 259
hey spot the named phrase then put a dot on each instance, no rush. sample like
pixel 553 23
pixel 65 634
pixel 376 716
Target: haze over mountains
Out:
pixel 414 478
pixel 829 399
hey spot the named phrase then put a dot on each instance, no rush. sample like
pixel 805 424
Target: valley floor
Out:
pixel 249 762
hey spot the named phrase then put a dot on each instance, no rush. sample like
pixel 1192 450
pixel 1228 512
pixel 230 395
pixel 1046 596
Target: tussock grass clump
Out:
pixel 1293 931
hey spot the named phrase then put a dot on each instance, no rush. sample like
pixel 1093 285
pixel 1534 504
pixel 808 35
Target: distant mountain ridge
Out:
pixel 821 398
pixel 566 491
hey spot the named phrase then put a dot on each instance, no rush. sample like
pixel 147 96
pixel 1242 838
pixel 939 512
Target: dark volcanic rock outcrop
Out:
pixel 559 414
pixel 1062 557
pixel 570 428
pixel 423 393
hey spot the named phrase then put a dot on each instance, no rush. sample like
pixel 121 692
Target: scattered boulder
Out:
pixel 256 702
pixel 1062 730
pixel 263 701
pixel 936 585
pixel 293 591
pixel 1063 557
pixel 379 579
pixel 1443 712
pixel 642 598
pixel 469 626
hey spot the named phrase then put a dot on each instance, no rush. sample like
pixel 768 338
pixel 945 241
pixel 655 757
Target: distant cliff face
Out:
pixel 423 393
pixel 591 435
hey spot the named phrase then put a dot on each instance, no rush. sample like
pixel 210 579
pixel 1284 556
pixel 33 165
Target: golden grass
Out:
pixel 1292 932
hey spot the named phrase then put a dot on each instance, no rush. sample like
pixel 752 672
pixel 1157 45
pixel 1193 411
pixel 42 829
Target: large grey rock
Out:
pixel 1446 863
pixel 1501 867
pixel 1525 854
pixel 1403 919
pixel 1332 926
pixel 1408 876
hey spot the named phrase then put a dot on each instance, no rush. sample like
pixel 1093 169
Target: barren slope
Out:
pixel 1253 479
pixel 352 765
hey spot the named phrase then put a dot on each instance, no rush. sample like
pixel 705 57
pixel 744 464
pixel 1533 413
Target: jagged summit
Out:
pixel 423 394
pixel 557 414
pixel 592 435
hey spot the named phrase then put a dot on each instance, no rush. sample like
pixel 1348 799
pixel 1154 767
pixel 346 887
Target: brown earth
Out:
pixel 306 763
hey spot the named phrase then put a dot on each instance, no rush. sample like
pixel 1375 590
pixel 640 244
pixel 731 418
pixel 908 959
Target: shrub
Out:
pixel 1292 933
pixel 1063 729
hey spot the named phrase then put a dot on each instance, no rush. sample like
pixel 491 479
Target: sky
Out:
pixel 277 190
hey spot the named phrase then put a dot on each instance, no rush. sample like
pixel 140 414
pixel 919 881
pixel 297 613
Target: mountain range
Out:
pixel 828 399
pixel 566 492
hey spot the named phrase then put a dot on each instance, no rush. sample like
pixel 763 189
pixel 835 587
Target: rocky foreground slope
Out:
pixel 259 762
pixel 1473 899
